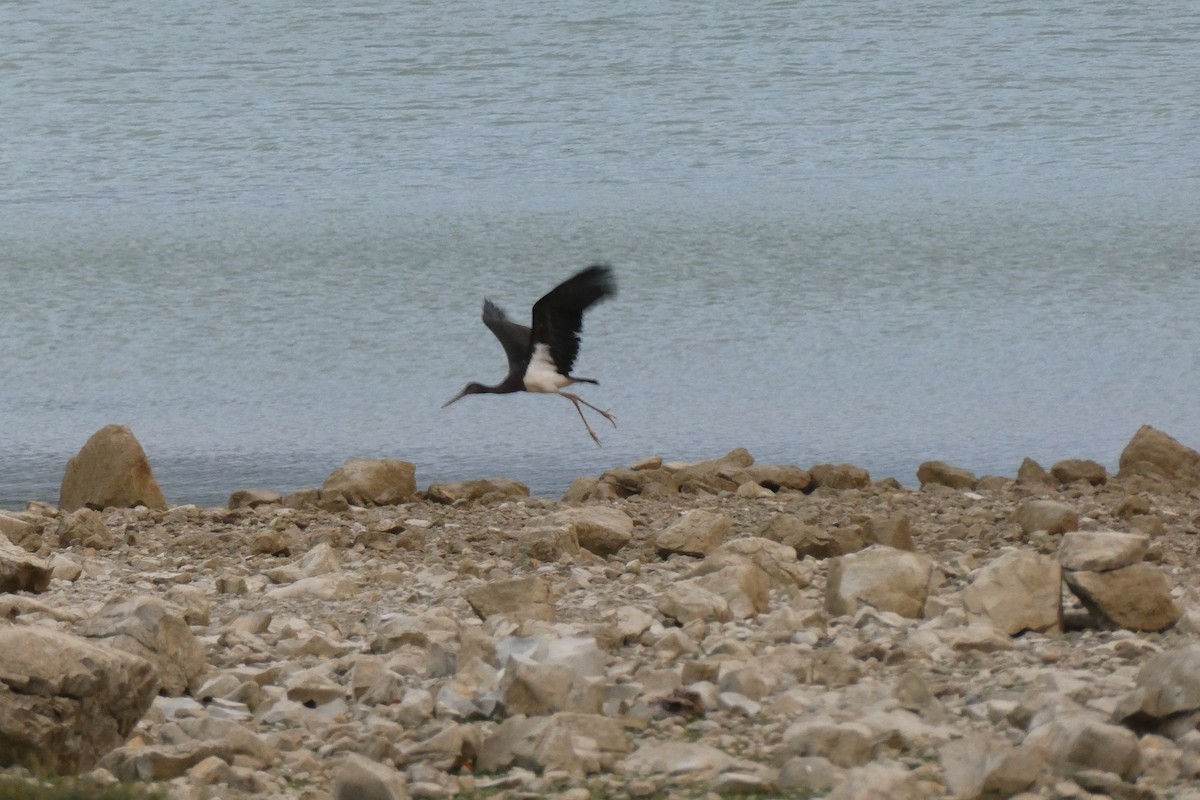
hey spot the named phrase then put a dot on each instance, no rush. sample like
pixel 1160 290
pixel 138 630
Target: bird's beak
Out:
pixel 452 399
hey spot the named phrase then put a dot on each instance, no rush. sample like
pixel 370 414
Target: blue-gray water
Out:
pixel 872 232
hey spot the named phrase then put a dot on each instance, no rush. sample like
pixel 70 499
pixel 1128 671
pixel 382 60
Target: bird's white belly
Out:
pixel 541 375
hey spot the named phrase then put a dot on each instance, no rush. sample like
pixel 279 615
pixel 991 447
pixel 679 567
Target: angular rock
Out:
pixel 1099 551
pixel 676 758
pixel 1031 473
pixel 713 475
pixel 111 470
pixel 150 629
pixel 846 744
pixel 877 781
pixel 360 778
pixel 1072 470
pixel 599 529
pixel 777 560
pixel 253 498
pixel 979 766
pixel 492 490
pixel 695 533
pixel 1076 741
pixel 892 530
pixel 1019 591
pixel 64 701
pixel 1137 597
pixel 550 543
pixel 1168 689
pixel 517 598
pixel 839 476
pixel 686 601
pixel 535 689
pixel 744 586
pixel 86 528
pixel 626 483
pixel 1047 515
pixel 809 540
pixel 775 477
pixel 185 743
pixel 15 529
pixel 20 571
pixel 373 482
pixel 942 474
pixel 1162 454
pixel 577 743
pixel 882 577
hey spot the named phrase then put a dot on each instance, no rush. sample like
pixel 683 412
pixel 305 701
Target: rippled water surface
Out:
pixel 260 233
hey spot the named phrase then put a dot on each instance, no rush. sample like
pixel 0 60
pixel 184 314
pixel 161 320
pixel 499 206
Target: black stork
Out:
pixel 540 358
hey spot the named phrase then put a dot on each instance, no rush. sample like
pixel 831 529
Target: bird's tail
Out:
pixel 584 380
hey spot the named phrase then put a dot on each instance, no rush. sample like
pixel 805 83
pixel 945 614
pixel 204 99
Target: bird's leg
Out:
pixel 576 401
pixel 608 415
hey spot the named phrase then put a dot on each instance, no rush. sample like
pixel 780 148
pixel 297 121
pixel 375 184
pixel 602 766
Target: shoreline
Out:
pixel 657 635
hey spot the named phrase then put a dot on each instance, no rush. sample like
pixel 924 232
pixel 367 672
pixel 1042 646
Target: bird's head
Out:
pixel 470 388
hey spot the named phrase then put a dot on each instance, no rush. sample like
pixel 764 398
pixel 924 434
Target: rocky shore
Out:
pixel 664 630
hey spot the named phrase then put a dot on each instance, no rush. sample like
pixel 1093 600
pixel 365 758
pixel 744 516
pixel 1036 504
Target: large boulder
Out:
pixel 155 631
pixel 1019 591
pixel 373 481
pixel 110 470
pixel 1137 597
pixel 695 533
pixel 64 701
pixel 942 474
pixel 1152 451
pixel 1167 697
pixel 600 529
pixel 883 577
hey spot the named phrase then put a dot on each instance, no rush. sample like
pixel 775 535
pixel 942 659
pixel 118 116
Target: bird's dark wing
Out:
pixel 514 337
pixel 558 317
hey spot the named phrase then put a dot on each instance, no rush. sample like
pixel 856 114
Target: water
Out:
pixel 260 233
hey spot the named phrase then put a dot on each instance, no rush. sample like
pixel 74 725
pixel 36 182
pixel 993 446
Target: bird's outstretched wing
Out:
pixel 514 337
pixel 558 317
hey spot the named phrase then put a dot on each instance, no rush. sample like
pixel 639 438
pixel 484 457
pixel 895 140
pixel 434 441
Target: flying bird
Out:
pixel 540 358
